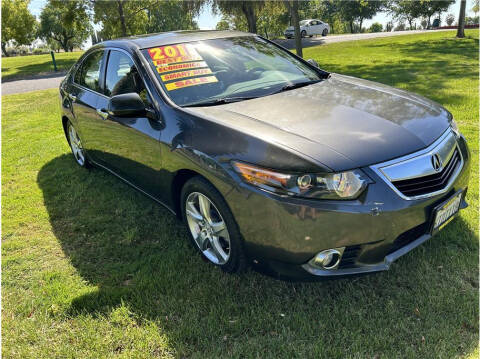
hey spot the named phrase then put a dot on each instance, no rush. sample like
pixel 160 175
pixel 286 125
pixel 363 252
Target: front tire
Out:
pixel 303 33
pixel 211 225
pixel 76 146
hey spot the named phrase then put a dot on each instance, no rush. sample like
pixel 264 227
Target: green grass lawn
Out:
pixel 24 66
pixel 93 269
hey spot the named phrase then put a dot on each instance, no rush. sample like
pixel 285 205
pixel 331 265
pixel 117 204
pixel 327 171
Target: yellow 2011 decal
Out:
pixel 185 66
pixel 182 74
pixel 190 82
pixel 172 54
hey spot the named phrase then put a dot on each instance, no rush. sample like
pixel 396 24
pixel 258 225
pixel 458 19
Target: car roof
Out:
pixel 172 37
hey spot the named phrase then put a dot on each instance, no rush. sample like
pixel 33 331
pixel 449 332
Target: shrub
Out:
pixel 376 27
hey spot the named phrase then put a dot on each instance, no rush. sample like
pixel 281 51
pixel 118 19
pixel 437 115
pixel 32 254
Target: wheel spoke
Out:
pixel 193 212
pixel 204 207
pixel 219 229
pixel 218 251
pixel 202 242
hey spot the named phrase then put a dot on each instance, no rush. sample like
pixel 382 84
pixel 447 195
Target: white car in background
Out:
pixel 309 28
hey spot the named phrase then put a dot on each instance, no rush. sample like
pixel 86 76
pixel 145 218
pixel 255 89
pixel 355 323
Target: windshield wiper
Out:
pixel 296 85
pixel 219 101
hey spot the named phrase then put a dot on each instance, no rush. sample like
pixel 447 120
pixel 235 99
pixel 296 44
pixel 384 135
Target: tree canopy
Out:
pixel 66 22
pixel 249 9
pixel 359 10
pixel 17 23
pixel 121 18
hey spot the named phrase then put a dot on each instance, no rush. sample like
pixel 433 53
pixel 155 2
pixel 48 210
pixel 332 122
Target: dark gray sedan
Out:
pixel 269 160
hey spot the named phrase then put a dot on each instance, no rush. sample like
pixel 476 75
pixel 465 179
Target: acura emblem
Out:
pixel 436 162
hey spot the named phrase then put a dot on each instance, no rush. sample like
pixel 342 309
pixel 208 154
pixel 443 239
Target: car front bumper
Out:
pixel 282 234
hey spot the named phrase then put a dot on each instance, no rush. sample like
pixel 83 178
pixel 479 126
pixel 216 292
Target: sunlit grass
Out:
pixel 92 269
pixel 24 66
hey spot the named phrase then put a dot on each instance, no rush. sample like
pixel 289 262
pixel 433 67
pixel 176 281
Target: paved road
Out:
pixel 320 40
pixel 53 81
pixel 40 83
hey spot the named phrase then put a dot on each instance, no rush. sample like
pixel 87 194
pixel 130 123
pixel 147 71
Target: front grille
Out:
pixel 424 185
pixel 349 256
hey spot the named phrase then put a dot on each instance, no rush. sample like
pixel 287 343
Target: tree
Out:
pixel 405 10
pixel 168 15
pixel 272 19
pixel 376 27
pixel 427 8
pixel 359 10
pixel 450 19
pixel 292 6
pixel 66 22
pixel 17 23
pixel 121 18
pixel 461 19
pixel 476 6
pixel 224 24
pixel 249 9
pixel 424 23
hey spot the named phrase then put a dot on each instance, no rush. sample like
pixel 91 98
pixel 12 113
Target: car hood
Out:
pixel 341 122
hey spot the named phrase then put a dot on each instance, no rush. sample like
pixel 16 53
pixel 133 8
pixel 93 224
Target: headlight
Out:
pixel 343 185
pixel 454 127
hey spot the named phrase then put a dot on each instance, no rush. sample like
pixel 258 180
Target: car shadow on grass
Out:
pixel 131 252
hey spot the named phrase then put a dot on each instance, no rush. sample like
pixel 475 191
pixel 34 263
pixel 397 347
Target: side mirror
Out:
pixel 313 63
pixel 126 105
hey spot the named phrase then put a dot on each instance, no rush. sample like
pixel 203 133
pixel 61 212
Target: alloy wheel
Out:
pixel 76 145
pixel 208 228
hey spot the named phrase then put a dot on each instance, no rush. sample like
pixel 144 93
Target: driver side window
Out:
pixel 122 77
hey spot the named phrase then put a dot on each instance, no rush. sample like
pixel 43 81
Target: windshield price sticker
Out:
pixel 190 82
pixel 181 74
pixel 184 66
pixel 171 54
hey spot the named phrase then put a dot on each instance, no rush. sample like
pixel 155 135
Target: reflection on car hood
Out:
pixel 342 122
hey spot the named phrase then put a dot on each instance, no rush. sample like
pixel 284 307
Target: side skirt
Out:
pixel 132 185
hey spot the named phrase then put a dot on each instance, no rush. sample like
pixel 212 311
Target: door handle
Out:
pixel 102 113
pixel 72 97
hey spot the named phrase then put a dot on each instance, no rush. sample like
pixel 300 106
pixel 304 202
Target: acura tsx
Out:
pixel 269 160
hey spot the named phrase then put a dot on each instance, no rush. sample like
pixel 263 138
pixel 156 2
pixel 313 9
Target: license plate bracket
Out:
pixel 446 211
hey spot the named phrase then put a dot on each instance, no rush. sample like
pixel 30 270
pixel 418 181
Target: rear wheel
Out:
pixel 212 228
pixel 76 146
pixel 324 32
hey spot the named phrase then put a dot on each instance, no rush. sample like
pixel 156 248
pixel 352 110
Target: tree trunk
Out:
pixel 4 49
pixel 410 22
pixel 249 12
pixel 361 22
pixel 122 18
pixel 461 20
pixel 296 25
pixel 351 26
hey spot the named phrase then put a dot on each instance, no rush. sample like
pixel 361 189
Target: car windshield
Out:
pixel 303 22
pixel 213 71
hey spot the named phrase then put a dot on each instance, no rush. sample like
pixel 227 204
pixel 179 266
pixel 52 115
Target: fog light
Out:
pixel 327 259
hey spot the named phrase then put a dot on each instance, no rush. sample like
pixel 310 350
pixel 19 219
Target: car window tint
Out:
pixel 88 75
pixel 122 77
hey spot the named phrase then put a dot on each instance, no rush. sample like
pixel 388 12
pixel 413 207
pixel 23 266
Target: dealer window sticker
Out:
pixel 183 57
pixel 182 74
pixel 190 82
pixel 183 66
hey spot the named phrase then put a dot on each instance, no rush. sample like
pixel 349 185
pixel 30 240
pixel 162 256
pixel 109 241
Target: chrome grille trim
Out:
pixel 418 165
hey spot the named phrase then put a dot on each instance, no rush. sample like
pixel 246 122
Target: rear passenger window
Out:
pixel 88 75
pixel 122 77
